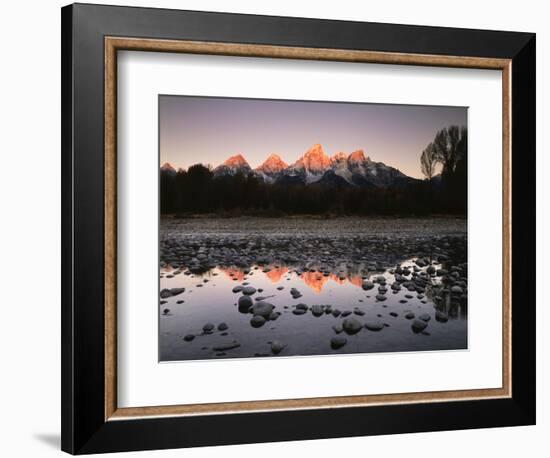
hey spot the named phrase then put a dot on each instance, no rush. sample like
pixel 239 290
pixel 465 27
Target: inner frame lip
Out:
pixel 111 46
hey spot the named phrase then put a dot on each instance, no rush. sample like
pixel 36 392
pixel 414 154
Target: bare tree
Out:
pixel 450 147
pixel 428 161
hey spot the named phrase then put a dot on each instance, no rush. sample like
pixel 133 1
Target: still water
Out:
pixel 208 299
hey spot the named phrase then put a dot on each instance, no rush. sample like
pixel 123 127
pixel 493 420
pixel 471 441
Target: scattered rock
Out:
pixel 338 342
pixel 257 321
pixel 367 285
pixel 317 310
pixel 424 317
pixel 245 302
pixel 208 327
pixel 418 326
pixel 277 347
pixel 222 326
pixel 249 290
pixel 189 337
pixel 374 325
pixel 226 346
pixel 262 308
pixel 352 326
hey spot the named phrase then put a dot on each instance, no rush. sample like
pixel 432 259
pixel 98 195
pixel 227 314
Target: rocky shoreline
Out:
pixel 431 287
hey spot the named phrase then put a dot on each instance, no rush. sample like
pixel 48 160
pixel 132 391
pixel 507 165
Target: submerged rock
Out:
pixel 226 346
pixel 277 347
pixel 338 342
pixel 424 317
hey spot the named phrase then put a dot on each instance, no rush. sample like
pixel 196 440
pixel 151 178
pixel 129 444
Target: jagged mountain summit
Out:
pixel 232 166
pixel 314 166
pixel 271 168
pixel 309 168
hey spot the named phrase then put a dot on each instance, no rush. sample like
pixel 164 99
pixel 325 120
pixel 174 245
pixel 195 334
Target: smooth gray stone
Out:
pixel 374 325
pixel 418 326
pixel 338 342
pixel 352 326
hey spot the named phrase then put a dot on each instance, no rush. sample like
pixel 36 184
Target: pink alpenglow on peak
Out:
pixel 236 161
pixel 167 167
pixel 358 156
pixel 273 164
pixel 339 157
pixel 314 160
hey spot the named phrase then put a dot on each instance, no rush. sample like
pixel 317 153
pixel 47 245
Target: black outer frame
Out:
pixel 84 429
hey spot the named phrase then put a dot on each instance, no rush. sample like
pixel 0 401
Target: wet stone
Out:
pixel 352 326
pixel 338 342
pixel 249 290
pixel 424 317
pixel 374 325
pixel 277 347
pixel 257 321
pixel 418 326
pixel 208 327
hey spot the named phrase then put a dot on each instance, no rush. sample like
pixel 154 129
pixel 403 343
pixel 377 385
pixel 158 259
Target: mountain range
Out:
pixel 314 166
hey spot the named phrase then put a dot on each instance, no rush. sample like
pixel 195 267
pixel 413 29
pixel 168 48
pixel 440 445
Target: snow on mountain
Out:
pixel 232 166
pixel 271 168
pixel 311 166
pixel 314 166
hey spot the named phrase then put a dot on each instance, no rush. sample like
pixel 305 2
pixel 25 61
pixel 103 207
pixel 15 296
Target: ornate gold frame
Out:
pixel 114 44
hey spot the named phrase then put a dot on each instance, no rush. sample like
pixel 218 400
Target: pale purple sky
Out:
pixel 208 130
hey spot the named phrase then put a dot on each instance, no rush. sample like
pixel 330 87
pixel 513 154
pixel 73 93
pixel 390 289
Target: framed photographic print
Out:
pixel 282 228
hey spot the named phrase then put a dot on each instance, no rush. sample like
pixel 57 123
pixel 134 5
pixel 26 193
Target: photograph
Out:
pixel 295 228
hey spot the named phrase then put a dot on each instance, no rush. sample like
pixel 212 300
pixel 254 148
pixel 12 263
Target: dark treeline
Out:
pixel 197 191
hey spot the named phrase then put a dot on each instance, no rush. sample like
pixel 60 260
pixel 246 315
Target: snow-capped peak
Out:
pixel 314 160
pixel 236 161
pixel 358 156
pixel 273 164
pixel 339 157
